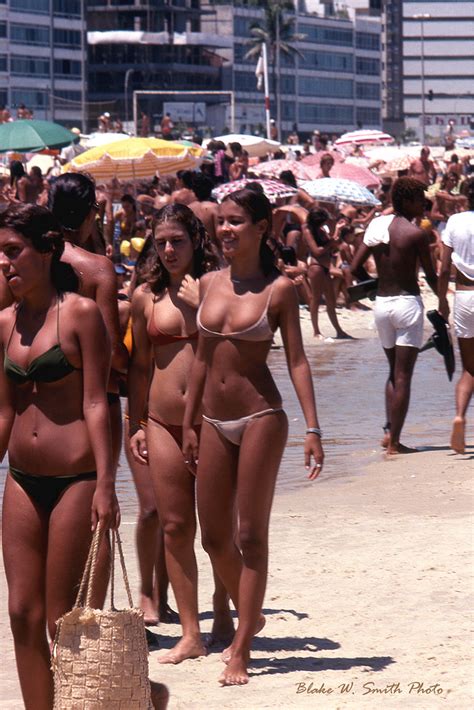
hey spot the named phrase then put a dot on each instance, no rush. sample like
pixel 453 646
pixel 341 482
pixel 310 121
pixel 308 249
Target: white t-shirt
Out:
pixel 459 235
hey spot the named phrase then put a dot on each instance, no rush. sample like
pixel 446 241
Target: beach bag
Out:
pixel 100 657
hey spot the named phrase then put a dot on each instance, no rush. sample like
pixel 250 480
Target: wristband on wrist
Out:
pixel 315 430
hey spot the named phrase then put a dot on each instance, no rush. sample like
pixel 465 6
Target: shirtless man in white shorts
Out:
pixel 458 249
pixel 398 247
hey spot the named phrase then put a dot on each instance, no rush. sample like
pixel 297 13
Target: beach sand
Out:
pixel 370 588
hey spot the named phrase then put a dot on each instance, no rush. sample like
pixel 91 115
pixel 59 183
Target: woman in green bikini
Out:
pixel 54 422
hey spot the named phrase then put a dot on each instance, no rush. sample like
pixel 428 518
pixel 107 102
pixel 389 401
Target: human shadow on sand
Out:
pixel 293 643
pixel 294 664
pixel 297 614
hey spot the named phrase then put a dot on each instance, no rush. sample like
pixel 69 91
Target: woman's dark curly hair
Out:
pixel 204 259
pixel 257 206
pixel 41 228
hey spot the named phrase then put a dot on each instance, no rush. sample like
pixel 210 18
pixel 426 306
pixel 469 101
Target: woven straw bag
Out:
pixel 100 657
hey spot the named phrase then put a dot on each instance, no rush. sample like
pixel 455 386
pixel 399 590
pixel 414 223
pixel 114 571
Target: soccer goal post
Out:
pixel 191 106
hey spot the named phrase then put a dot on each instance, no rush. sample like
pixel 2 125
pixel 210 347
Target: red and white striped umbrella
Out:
pixel 363 136
pixel 273 189
pixel 274 168
pixel 347 171
pixel 315 158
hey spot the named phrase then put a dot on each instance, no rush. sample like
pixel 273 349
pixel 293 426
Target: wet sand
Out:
pixel 370 579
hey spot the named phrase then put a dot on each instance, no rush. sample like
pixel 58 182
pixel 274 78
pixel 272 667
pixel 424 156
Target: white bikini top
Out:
pixel 260 331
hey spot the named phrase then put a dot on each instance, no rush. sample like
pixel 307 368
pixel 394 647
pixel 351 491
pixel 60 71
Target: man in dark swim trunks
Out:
pixel 398 247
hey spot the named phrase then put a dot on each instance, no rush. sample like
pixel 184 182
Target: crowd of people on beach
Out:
pixel 157 294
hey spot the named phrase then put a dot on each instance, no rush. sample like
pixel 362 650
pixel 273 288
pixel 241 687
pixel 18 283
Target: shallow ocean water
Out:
pixel 349 378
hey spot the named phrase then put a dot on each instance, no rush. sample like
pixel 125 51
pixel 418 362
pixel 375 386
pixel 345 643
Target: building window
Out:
pixel 288 111
pixel 67 95
pixel 30 97
pixel 240 50
pixel 318 113
pixel 364 90
pixel 368 40
pixel 326 35
pixel 67 68
pixel 22 66
pixel 320 86
pixel 37 6
pixel 242 26
pixel 3 29
pixel 3 62
pixel 371 67
pixel 26 34
pixel 328 61
pixel 368 116
pixel 287 84
pixel 68 8
pixel 245 81
pixel 67 38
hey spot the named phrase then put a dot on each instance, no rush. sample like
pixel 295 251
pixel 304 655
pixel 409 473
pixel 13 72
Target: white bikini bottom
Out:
pixel 233 429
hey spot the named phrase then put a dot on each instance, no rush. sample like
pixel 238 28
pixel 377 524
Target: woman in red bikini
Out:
pixel 54 420
pixel 164 341
pixel 244 426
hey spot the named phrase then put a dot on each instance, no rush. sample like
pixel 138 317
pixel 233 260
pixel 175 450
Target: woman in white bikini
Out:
pixel 164 342
pixel 244 427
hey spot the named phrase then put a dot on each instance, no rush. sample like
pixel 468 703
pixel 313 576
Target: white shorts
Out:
pixel 399 320
pixel 463 314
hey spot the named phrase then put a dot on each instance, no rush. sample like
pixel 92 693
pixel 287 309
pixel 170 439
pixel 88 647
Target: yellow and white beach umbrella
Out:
pixel 136 159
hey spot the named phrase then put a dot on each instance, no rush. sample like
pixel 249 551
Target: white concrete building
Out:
pixel 42 58
pixel 446 58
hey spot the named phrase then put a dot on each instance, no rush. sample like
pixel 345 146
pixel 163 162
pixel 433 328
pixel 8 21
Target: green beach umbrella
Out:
pixel 25 136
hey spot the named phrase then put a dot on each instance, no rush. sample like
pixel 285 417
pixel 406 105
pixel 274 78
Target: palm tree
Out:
pixel 277 32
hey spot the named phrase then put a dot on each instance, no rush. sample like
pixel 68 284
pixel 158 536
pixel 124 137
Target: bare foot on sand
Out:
pixel 184 649
pixel 318 336
pixel 167 615
pixel 393 449
pixel 150 611
pixel 222 631
pixel 236 672
pixel 457 435
pixel 385 441
pixel 159 695
pixel 227 653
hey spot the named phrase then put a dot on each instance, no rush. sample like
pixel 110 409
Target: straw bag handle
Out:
pixel 88 577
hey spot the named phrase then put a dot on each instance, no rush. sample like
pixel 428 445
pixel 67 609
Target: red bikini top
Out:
pixel 158 337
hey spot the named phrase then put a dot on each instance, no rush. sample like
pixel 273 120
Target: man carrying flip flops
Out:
pixel 398 246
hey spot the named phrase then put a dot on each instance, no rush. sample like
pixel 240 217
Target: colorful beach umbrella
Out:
pixel 274 168
pixel 314 159
pixel 363 136
pixel 136 159
pixel 273 189
pixel 254 145
pixel 29 136
pixel 338 190
pixel 347 171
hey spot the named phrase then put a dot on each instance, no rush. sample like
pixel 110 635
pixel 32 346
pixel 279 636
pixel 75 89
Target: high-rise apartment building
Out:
pixel 438 53
pixel 392 43
pixel 42 57
pixel 331 82
pixel 155 45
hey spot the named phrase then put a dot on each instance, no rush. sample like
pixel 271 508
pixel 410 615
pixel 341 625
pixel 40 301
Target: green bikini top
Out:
pixel 51 366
